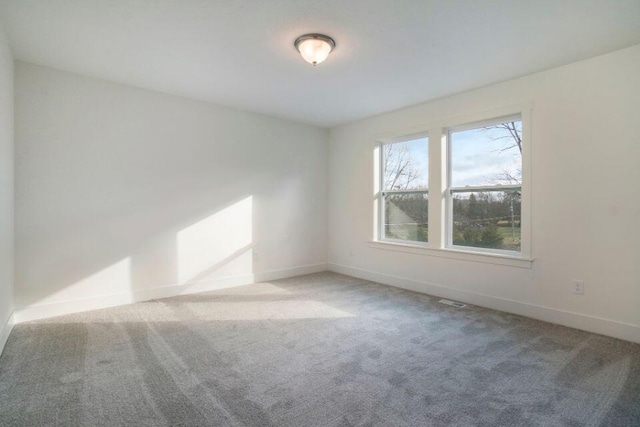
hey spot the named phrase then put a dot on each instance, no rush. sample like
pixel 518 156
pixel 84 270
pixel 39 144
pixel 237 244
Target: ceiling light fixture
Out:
pixel 314 48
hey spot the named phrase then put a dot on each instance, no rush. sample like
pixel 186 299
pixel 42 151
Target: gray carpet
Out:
pixel 317 350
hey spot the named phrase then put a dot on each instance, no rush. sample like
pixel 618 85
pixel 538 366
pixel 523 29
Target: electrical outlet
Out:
pixel 255 256
pixel 578 287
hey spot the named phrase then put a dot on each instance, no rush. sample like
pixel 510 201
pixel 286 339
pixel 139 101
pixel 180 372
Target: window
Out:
pixel 459 188
pixel 404 197
pixel 485 185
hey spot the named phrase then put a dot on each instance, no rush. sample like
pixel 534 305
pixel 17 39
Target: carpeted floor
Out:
pixel 317 350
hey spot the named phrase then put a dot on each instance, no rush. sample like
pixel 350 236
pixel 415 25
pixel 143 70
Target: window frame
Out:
pixel 439 169
pixel 382 192
pixel 451 190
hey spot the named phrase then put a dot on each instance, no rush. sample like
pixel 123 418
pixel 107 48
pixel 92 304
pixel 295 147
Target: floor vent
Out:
pixel 452 303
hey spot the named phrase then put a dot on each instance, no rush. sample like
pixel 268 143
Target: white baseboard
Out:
pixel 5 331
pixel 268 276
pixel 584 322
pixel 44 311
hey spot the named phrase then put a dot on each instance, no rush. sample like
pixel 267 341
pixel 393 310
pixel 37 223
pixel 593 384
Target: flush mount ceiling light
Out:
pixel 314 48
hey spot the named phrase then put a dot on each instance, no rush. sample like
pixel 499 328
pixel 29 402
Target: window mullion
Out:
pixel 420 191
pixel 487 188
pixel 437 187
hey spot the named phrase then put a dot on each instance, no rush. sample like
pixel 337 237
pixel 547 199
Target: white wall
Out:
pixel 6 188
pixel 125 194
pixel 586 199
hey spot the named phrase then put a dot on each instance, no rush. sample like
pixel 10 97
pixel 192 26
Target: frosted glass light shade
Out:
pixel 314 48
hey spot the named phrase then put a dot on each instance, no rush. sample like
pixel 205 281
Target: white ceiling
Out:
pixel 390 53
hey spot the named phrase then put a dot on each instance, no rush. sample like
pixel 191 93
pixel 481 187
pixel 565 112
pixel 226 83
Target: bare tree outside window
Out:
pixel 404 193
pixel 513 135
pixel 401 170
pixel 510 133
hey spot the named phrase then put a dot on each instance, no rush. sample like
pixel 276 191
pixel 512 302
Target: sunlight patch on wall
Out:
pixel 220 239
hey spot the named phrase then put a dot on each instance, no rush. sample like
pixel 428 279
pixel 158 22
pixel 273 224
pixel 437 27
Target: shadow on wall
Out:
pixel 216 247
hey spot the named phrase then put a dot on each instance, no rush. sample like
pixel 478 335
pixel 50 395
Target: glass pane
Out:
pixel 406 216
pixel 489 155
pixel 406 165
pixel 488 219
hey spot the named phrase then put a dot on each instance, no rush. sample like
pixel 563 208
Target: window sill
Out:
pixel 473 256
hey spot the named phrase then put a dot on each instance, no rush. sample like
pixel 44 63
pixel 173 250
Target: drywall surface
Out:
pixel 585 139
pixel 6 188
pixel 120 191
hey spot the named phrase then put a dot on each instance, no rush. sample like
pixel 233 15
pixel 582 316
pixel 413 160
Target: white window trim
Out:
pixel 437 245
